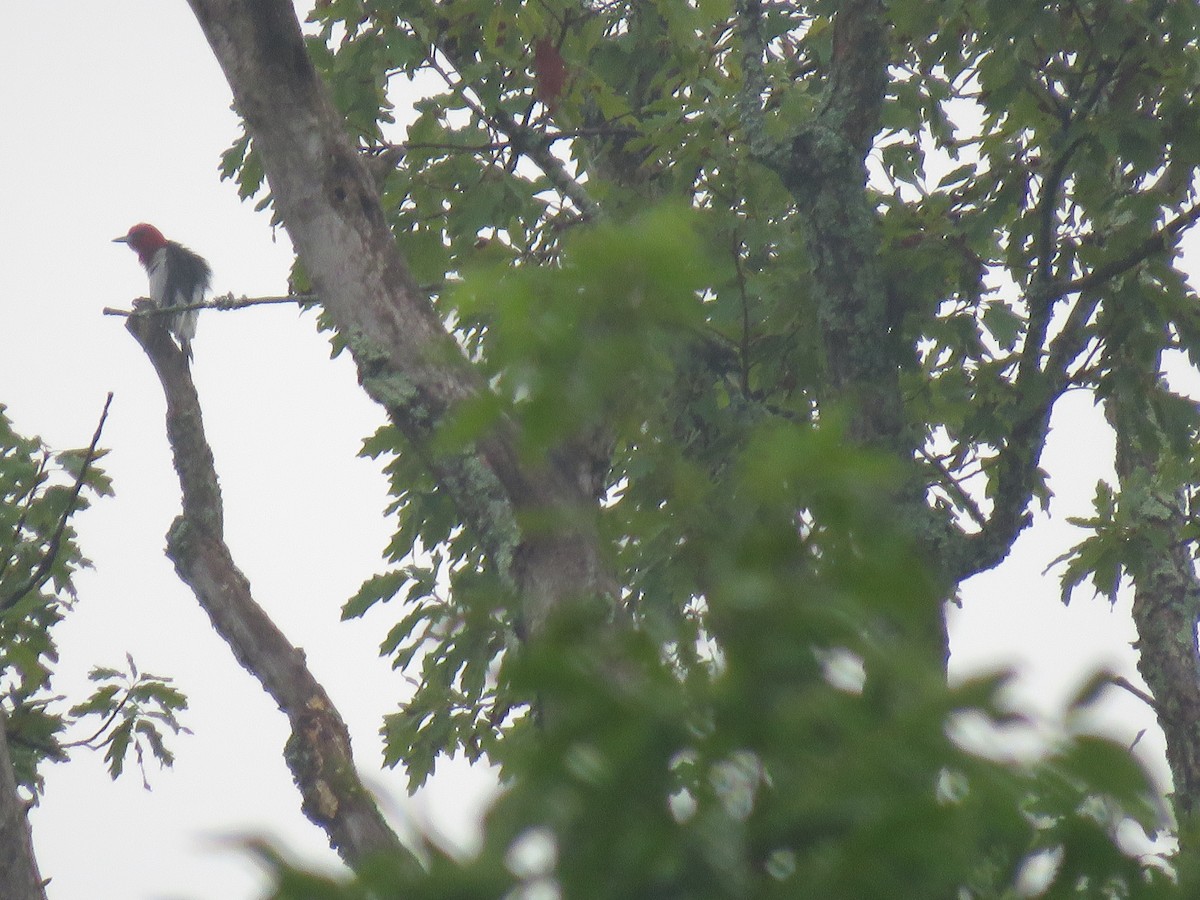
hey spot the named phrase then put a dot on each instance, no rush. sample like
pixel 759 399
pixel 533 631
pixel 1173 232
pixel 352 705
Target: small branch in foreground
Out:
pixel 1122 682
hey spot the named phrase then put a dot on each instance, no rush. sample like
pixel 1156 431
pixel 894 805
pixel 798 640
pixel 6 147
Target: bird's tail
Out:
pixel 184 326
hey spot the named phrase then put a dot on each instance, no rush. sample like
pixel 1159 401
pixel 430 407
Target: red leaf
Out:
pixel 549 73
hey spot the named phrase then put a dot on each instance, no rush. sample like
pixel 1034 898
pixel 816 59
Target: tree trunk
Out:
pixel 1166 596
pixel 406 359
pixel 19 875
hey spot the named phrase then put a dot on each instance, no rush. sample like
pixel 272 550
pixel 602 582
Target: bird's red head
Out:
pixel 144 240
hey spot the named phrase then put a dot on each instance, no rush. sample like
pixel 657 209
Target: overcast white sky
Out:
pixel 115 114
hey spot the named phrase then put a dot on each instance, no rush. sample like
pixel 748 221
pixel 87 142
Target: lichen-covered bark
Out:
pixel 406 359
pixel 1166 610
pixel 1166 594
pixel 318 751
pixel 823 167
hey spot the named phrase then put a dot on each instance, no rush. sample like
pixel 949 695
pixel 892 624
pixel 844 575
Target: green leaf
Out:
pixel 1004 325
pixel 376 589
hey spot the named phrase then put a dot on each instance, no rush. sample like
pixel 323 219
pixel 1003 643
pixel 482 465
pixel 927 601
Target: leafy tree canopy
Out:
pixel 731 337
pixel 717 245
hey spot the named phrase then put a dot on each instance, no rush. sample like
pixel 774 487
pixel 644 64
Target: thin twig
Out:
pixel 225 301
pixel 42 573
pixel 112 717
pixel 1122 682
pixel 949 481
pixel 1156 243
pixel 525 140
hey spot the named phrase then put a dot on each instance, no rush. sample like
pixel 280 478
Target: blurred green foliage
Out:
pixel 756 769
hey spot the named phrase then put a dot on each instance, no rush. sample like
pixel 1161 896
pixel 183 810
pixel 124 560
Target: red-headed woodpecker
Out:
pixel 178 277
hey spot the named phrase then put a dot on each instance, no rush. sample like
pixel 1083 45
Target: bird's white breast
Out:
pixel 157 270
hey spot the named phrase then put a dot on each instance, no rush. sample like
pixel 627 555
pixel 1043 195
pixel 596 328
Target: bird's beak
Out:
pixel 123 239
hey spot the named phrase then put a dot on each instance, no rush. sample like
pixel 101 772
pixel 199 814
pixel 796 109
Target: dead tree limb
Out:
pixel 318 750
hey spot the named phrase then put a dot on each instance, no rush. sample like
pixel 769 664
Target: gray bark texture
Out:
pixel 1166 589
pixel 19 875
pixel 318 750
pixel 406 360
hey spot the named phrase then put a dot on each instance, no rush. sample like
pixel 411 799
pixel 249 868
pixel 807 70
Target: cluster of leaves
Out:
pixel 1035 158
pixel 1031 177
pixel 763 772
pixel 38 552
pixel 39 557
pixel 135 710
pixel 604 329
pixel 40 491
pixel 1010 172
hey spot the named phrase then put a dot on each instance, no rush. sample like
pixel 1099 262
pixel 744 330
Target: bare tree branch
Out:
pixel 318 751
pixel 226 301
pixel 1125 684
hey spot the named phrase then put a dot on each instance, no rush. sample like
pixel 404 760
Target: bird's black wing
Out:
pixel 188 276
